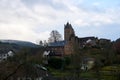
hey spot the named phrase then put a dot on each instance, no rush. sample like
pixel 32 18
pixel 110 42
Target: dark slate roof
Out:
pixel 58 43
pixel 86 38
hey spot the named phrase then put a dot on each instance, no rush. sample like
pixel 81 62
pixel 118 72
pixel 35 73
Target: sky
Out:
pixel 33 20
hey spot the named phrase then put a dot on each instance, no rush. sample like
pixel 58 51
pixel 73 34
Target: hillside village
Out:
pixel 74 58
pixel 66 47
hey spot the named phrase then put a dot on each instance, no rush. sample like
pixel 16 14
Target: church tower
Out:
pixel 68 32
pixel 69 37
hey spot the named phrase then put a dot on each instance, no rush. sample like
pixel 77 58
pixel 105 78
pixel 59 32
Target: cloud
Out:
pixel 32 20
pixel 15 22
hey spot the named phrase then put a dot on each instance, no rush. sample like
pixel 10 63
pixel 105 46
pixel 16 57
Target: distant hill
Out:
pixel 15 45
pixel 19 43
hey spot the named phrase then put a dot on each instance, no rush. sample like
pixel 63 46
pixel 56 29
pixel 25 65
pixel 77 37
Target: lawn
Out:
pixel 105 73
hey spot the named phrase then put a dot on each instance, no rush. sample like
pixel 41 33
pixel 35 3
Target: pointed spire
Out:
pixel 68 25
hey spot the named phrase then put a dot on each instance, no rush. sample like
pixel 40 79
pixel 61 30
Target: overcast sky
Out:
pixel 33 20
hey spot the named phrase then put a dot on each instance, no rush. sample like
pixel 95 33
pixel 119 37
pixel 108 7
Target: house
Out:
pixel 49 54
pixel 46 53
pixel 87 63
pixel 4 54
pixel 91 43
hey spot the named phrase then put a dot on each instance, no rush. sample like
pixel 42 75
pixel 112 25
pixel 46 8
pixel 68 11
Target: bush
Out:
pixel 56 63
pixel 67 61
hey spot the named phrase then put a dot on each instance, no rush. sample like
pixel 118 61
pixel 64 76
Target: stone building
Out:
pixel 69 37
pixel 71 41
pixel 57 48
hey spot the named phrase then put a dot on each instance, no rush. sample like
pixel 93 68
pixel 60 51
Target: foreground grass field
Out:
pixel 105 73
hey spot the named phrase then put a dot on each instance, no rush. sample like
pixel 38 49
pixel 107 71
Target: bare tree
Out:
pixel 55 36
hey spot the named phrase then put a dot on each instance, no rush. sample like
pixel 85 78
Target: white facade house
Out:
pixel 46 53
pixel 91 42
pixel 5 55
pixel 88 41
pixel 87 63
pixel 46 56
pixel 10 53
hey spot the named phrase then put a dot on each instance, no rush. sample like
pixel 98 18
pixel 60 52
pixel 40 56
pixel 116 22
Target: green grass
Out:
pixel 110 72
pixel 58 72
pixel 87 74
pixel 111 68
pixel 106 73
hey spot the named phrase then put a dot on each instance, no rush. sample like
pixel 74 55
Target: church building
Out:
pixel 67 46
